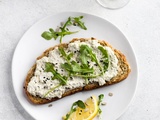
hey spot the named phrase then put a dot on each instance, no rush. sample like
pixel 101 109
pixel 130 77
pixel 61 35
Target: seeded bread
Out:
pixel 123 72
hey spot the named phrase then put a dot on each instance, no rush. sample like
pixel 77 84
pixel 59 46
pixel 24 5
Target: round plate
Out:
pixel 32 45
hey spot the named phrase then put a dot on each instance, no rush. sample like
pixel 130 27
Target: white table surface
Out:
pixel 139 21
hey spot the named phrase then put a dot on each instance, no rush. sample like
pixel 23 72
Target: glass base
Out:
pixel 113 4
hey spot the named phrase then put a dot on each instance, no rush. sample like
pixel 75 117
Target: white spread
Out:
pixel 42 81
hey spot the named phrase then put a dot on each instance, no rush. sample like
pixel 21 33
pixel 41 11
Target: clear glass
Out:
pixel 113 4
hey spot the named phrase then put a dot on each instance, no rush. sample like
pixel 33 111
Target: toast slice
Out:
pixel 123 72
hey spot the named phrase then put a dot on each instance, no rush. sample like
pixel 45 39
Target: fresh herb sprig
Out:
pixel 63 79
pixel 76 104
pixel 86 52
pixel 56 75
pixel 74 68
pixel 77 21
pixel 100 98
pixel 63 31
pixel 64 55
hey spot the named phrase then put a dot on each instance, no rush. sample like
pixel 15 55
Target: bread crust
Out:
pixel 123 72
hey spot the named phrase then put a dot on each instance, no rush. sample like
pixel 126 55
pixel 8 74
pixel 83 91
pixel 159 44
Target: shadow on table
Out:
pixel 14 98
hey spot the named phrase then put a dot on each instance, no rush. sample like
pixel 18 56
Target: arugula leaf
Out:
pixel 52 89
pixel 79 22
pixel 84 55
pixel 86 52
pixel 48 35
pixel 62 79
pixel 105 57
pixel 49 68
pixel 76 104
pixel 64 55
pixel 74 68
pixel 100 97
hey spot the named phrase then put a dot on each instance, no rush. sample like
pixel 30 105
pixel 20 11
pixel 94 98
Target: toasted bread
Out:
pixel 123 72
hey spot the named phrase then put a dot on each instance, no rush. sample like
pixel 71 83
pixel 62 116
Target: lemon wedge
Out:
pixel 90 111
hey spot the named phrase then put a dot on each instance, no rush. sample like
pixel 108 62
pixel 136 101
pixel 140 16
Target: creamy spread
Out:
pixel 42 81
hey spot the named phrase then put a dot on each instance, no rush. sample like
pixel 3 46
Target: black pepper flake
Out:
pixel 79 113
pixel 56 34
pixel 95 65
pixel 56 63
pixel 74 24
pixel 56 69
pixel 88 79
pixel 81 110
pixel 23 87
pixel 67 29
pixel 88 62
pixel 75 51
pixel 101 60
pixel 61 70
pixel 47 78
pixel 71 78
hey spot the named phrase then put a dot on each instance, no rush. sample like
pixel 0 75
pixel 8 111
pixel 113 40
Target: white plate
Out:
pixel 32 45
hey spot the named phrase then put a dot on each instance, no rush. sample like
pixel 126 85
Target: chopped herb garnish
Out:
pixel 76 104
pixel 63 30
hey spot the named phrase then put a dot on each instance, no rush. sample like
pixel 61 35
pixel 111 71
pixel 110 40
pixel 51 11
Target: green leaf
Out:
pixel 105 57
pixel 81 104
pixel 79 22
pixel 49 68
pixel 47 35
pixel 100 98
pixel 76 104
pixel 69 56
pixel 54 34
pixel 64 55
pixel 63 80
pixel 67 67
pixel 74 68
pixel 86 53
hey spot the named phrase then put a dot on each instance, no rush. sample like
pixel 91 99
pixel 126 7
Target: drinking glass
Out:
pixel 113 4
